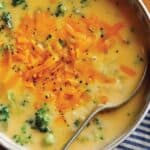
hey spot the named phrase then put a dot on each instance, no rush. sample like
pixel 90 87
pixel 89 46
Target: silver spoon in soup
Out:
pixel 121 100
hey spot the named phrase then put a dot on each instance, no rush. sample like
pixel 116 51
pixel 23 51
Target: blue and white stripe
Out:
pixel 140 138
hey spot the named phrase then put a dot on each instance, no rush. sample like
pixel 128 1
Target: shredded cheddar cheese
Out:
pixel 55 64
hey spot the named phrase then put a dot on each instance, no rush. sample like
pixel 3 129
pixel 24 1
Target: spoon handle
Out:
pixel 83 125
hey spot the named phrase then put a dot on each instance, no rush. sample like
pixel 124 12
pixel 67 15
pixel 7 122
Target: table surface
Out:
pixel 147 2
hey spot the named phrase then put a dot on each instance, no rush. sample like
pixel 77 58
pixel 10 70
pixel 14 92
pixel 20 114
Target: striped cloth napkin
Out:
pixel 139 139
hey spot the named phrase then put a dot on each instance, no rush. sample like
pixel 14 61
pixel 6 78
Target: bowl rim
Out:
pixel 9 144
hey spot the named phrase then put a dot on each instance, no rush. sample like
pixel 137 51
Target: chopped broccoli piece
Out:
pixel 77 123
pixel 49 139
pixel 1 5
pixel 17 2
pixel 96 121
pixel 62 42
pixel 60 10
pixel 25 6
pixel 23 137
pixel 4 113
pixel 83 1
pixel 11 96
pixel 6 17
pixel 25 100
pixel 41 120
pixel 6 47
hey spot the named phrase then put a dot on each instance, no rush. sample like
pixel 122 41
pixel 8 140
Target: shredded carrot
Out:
pixel 92 74
pixel 46 65
pixel 103 99
pixel 101 46
pixel 127 70
pixel 53 1
pixel 115 29
pixel 78 25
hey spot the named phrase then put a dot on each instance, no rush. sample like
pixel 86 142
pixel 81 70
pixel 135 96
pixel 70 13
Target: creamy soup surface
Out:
pixel 61 58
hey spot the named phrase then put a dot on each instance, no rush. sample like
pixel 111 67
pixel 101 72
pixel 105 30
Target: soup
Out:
pixel 61 58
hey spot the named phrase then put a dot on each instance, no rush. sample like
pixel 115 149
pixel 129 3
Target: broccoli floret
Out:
pixel 41 119
pixel 23 3
pixel 23 137
pixel 17 2
pixel 6 17
pixel 60 10
pixel 4 113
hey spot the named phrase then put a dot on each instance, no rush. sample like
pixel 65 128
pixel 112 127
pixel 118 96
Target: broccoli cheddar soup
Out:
pixel 61 58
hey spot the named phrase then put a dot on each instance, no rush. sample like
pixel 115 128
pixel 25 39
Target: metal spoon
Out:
pixel 101 108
